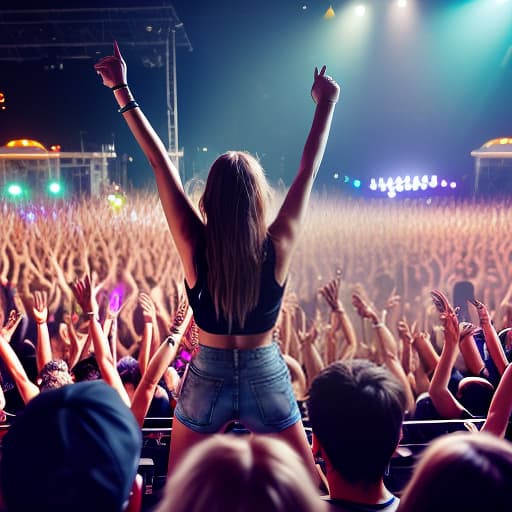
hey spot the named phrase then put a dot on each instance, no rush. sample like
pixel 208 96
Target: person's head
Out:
pixel 129 371
pixel 234 206
pixel 226 473
pixel 86 369
pixel 54 374
pixel 505 336
pixel 475 394
pixel 356 410
pixel 463 471
pixel 74 448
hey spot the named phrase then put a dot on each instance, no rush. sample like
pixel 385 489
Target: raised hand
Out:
pixel 363 307
pixel 324 87
pixel 11 324
pixel 404 331
pixel 112 68
pixel 82 290
pixel 148 307
pixel 483 313
pixel 40 307
pixel 447 315
pixel 330 292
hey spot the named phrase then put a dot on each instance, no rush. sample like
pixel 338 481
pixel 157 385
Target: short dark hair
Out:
pixel 356 409
pixel 129 370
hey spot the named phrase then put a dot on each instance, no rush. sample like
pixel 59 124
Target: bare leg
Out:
pixel 182 440
pixel 296 437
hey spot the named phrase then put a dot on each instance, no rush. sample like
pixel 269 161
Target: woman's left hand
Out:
pixel 324 87
pixel 112 68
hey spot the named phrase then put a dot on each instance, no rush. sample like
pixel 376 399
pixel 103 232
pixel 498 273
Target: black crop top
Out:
pixel 261 319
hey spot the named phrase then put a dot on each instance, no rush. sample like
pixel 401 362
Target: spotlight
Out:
pixel 360 10
pixel 335 175
pixel 453 184
pixel 54 188
pixel 401 3
pixel 356 183
pixel 329 14
pixel 14 190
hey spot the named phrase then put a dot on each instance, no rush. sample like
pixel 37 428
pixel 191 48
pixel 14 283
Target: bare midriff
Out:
pixel 232 341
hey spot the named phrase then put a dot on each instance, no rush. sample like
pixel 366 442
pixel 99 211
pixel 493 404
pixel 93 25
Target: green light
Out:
pixel 14 190
pixel 356 183
pixel 54 188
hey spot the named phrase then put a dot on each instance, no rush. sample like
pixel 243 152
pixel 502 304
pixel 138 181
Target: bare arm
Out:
pixel 159 364
pixel 183 221
pixel 40 314
pixel 444 402
pixel 85 297
pixel 26 387
pixel 491 338
pixel 148 310
pixel 311 357
pixel 339 321
pixel 388 345
pixel 501 406
pixel 288 224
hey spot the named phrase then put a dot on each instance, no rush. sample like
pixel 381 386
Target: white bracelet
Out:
pixel 378 325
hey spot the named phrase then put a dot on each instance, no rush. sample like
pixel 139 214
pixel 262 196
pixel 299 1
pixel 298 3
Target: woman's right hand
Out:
pixel 324 88
pixel 112 68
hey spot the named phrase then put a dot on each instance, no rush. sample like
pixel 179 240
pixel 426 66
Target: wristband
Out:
pixel 129 106
pixel 170 341
pixel 118 86
pixel 378 325
pixel 92 316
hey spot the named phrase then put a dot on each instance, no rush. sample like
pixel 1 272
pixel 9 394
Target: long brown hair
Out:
pixel 234 206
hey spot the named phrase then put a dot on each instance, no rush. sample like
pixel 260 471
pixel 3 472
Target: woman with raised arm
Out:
pixel 235 267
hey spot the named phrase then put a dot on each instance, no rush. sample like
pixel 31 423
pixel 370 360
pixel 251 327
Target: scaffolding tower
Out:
pixel 56 35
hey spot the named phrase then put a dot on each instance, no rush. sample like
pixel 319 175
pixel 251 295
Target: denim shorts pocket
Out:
pixel 198 397
pixel 274 396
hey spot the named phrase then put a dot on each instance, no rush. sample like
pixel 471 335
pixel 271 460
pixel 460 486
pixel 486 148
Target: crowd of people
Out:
pixel 446 371
pixel 351 317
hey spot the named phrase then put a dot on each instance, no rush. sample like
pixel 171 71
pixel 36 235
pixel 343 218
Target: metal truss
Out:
pixel 53 36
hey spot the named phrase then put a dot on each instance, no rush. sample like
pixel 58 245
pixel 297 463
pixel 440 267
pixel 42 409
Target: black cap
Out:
pixel 74 448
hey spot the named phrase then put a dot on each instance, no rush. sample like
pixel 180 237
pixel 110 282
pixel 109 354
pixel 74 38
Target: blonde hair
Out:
pixel 226 473
pixel 234 205
pixel 463 471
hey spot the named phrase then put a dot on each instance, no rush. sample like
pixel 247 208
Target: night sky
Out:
pixel 418 92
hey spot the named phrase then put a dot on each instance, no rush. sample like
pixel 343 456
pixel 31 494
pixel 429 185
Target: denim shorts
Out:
pixel 252 387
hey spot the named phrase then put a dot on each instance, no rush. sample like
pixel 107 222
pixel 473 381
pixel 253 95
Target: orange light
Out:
pixel 25 143
pixel 2 97
pixel 329 14
pixel 55 148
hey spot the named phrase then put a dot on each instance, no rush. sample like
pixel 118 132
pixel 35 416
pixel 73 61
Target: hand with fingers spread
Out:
pixel 330 292
pixel 40 307
pixel 112 68
pixel 324 87
pixel 82 290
